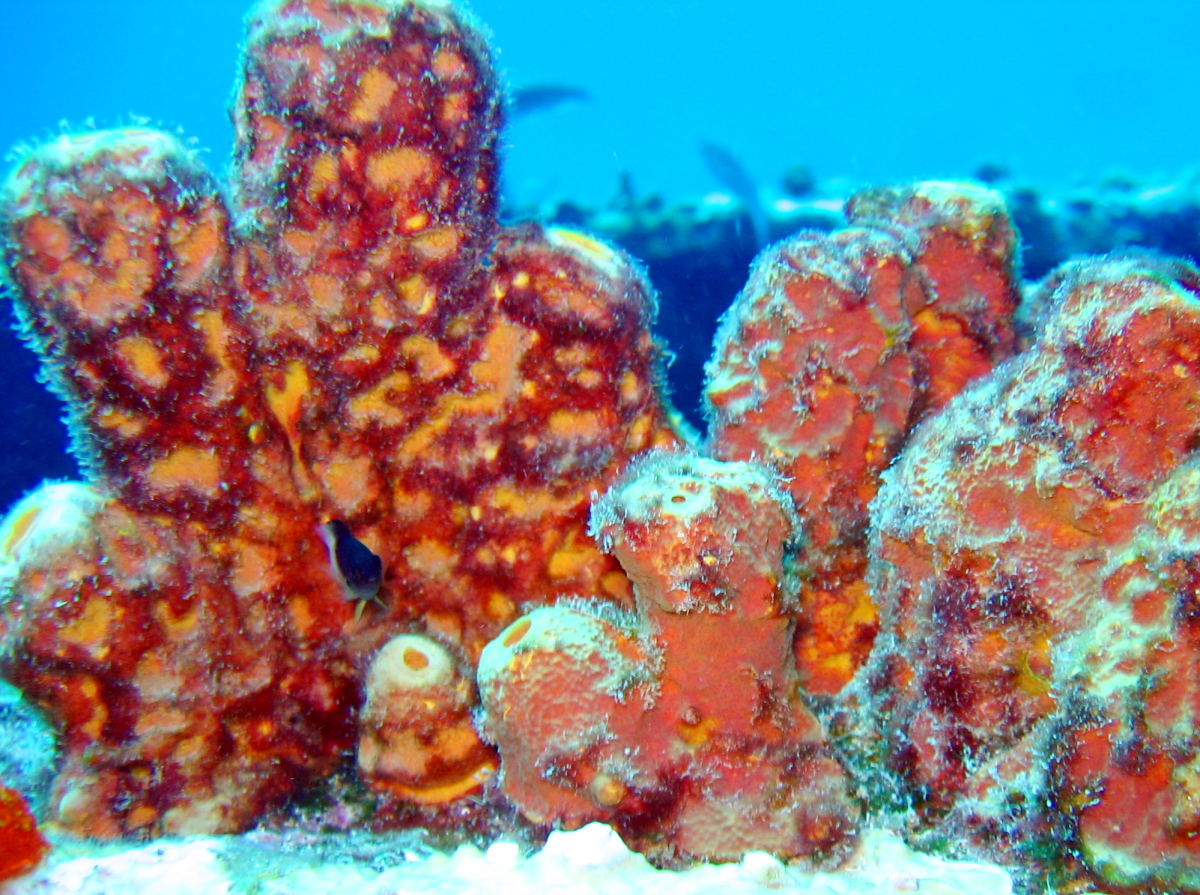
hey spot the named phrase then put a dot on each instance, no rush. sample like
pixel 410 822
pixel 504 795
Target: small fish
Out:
pixel 537 97
pixel 356 568
pixel 732 175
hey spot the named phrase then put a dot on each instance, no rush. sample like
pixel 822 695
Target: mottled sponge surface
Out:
pixel 680 722
pixel 1034 558
pixel 838 346
pixel 350 337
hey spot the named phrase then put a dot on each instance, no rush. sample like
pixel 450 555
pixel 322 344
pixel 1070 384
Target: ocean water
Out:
pixel 1059 91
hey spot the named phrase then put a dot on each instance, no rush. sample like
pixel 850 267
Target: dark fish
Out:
pixel 732 175
pixel 357 569
pixel 538 97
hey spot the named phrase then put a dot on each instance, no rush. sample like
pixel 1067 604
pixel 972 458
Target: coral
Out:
pixel 351 338
pixel 839 344
pixel 685 713
pixel 1035 563
pixel 24 847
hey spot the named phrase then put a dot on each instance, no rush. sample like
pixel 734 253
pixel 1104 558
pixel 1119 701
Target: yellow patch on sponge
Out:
pixel 417 295
pixel 375 91
pixel 382 403
pixel 143 360
pixel 285 404
pixel 199 249
pixel 447 64
pixel 431 558
pixel 91 692
pixel 186 468
pixel 437 244
pixel 498 369
pixel 588 248
pixel 398 170
pixel 50 236
pixel 572 559
pixel 349 482
pixel 107 300
pixel 91 628
pixel 577 425
pixel 432 363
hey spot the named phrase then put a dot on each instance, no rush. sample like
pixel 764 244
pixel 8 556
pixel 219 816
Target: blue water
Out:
pixel 873 90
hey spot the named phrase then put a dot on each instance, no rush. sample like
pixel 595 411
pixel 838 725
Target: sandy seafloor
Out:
pixel 590 860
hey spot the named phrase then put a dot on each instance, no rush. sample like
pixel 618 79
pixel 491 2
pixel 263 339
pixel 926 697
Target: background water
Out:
pixel 872 90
